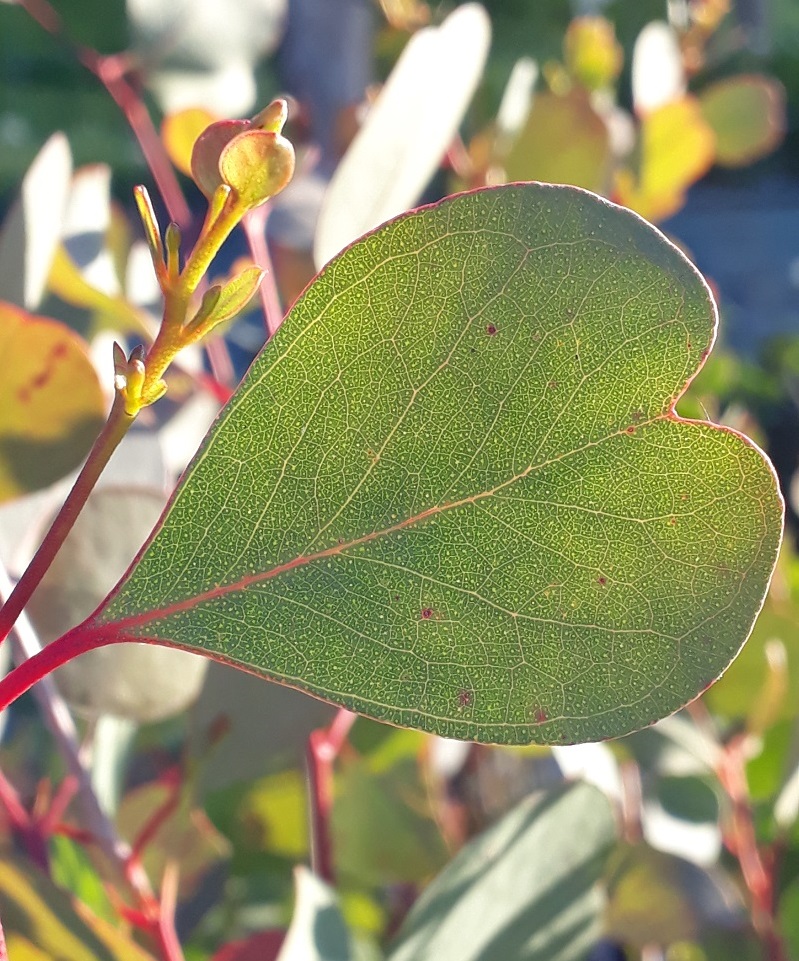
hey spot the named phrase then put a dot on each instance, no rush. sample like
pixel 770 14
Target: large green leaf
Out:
pixel 453 493
pixel 527 888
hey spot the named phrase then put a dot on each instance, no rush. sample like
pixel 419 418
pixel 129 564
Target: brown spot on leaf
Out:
pixel 630 429
pixel 40 380
pixel 491 330
pixel 427 613
pixel 540 715
pixel 464 698
pixel 602 580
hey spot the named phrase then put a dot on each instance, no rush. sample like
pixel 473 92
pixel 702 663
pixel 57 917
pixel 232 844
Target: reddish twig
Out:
pixel 214 387
pixel 24 826
pixel 222 370
pixel 54 814
pixel 18 816
pixel 254 224
pixel 164 929
pixel 757 867
pixel 113 72
pixel 161 814
pixel 324 746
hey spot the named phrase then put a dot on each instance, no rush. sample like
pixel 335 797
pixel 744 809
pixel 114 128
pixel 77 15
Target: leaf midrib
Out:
pixel 249 580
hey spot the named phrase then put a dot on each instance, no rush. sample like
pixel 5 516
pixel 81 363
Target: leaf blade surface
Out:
pixel 453 492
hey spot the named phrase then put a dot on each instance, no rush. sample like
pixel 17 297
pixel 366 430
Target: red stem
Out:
pixel 159 817
pixel 254 224
pixel 222 371
pixel 63 649
pixel 15 809
pixel 111 71
pixel 757 872
pixel 54 814
pixel 107 441
pixel 324 746
pixel 23 825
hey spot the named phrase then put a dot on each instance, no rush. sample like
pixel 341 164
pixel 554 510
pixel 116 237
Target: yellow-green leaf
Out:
pixel 747 114
pixel 51 405
pixel 676 147
pixel 67 282
pixel 235 296
pixel 45 922
pixel 593 55
pixel 564 141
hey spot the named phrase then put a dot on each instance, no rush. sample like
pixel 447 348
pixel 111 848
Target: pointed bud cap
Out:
pixel 273 117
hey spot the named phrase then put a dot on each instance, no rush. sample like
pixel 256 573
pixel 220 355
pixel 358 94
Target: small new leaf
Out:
pixel 151 230
pixel 225 302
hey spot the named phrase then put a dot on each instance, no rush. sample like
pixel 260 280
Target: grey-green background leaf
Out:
pixel 527 888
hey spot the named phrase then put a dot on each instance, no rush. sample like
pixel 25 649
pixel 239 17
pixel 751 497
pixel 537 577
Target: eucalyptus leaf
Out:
pixel 527 888
pixel 407 130
pixel 138 681
pixel 37 913
pixel 452 493
pixel 32 228
pixel 317 931
pixel 51 402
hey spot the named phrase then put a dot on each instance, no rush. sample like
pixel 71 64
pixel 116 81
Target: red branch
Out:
pixel 741 839
pixel 161 815
pixel 113 72
pixel 254 225
pixel 324 746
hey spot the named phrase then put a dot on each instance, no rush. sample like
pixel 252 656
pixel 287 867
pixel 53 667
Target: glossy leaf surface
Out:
pixel 51 405
pixel 452 493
